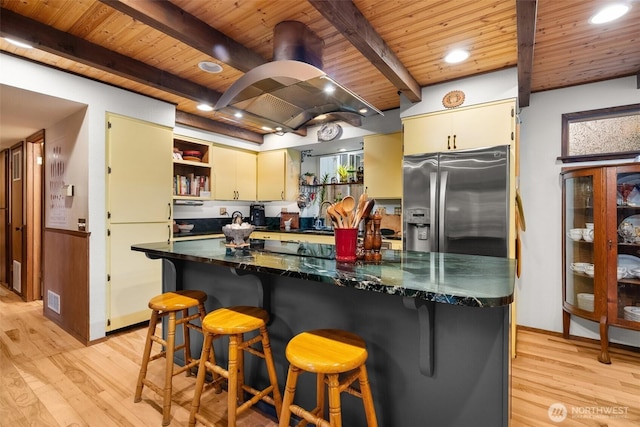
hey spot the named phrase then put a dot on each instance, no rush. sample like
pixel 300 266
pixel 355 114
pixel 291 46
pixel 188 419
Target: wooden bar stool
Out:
pixel 170 304
pixel 328 353
pixel 234 322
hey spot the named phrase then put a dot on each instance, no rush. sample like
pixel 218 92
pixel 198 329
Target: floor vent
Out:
pixel 53 301
pixel 17 276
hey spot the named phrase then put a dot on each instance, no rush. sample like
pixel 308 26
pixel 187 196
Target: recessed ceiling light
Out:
pixel 609 13
pixel 267 128
pixel 210 67
pixel 363 110
pixel 18 43
pixel 456 55
pixel 205 107
pixel 237 115
pixel 329 89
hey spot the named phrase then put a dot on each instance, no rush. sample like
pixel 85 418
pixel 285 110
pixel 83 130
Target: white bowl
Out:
pixel 585 301
pixel 185 228
pixel 579 266
pixel 589 270
pixel 575 234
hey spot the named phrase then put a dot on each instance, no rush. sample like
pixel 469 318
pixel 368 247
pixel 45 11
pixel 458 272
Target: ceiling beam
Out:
pixel 76 49
pixel 526 11
pixel 204 123
pixel 168 18
pixel 345 16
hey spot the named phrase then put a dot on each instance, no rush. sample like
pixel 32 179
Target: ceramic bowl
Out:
pixel 589 270
pixel 237 234
pixel 579 266
pixel 575 234
pixel 185 228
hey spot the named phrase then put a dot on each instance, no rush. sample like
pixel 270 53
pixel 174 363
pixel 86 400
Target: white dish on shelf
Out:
pixel 629 262
pixel 579 266
pixel 632 313
pixel 633 199
pixel 635 272
pixel 585 301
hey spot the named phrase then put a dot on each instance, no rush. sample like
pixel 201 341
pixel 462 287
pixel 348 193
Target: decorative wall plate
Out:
pixel 453 99
pixel 329 132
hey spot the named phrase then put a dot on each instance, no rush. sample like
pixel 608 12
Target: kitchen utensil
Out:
pixel 335 216
pixel 368 207
pixel 348 205
pixel 303 200
pixel 340 210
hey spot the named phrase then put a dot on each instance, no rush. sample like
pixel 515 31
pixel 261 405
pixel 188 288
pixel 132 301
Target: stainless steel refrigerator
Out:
pixel 457 202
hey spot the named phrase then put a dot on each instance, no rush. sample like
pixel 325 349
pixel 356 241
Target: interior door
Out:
pixel 4 218
pixel 17 219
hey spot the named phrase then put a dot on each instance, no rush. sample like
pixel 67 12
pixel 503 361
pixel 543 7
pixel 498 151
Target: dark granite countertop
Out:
pixel 469 280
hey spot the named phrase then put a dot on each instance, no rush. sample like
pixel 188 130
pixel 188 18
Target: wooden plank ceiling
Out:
pixel 376 48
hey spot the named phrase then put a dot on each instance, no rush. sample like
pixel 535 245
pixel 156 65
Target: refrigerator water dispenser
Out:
pixel 417 229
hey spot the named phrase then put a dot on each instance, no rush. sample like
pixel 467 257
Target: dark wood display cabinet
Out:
pixel 601 280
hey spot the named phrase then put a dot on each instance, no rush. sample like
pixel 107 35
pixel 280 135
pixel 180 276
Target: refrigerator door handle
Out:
pixel 444 176
pixel 433 180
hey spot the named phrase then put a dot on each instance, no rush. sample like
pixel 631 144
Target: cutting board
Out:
pixel 392 222
pixel 293 216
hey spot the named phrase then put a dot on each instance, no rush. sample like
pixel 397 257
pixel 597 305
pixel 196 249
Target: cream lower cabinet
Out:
pixel 266 235
pixel 139 211
pixel 278 175
pixel 482 125
pixel 383 166
pixel 234 174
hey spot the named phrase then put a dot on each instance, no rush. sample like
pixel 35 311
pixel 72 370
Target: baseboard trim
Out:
pixel 578 338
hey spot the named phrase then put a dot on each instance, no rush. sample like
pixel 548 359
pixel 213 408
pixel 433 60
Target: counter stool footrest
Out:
pixel 309 416
pixel 257 396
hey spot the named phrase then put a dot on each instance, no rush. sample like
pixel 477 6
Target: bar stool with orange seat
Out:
pixel 234 322
pixel 170 304
pixel 328 353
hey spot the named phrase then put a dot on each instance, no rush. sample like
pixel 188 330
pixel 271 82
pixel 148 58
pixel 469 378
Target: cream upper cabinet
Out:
pixel 278 174
pixel 383 166
pixel 481 125
pixel 234 174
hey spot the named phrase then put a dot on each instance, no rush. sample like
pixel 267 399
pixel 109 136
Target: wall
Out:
pixel 66 148
pixel 101 99
pixel 540 286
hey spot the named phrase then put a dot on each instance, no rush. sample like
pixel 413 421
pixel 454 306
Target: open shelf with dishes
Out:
pixel 601 248
pixel 191 169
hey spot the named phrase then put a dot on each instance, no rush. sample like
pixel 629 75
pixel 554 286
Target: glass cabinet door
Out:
pixel 579 286
pixel 627 289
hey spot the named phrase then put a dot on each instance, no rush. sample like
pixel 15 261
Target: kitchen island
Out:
pixel 436 325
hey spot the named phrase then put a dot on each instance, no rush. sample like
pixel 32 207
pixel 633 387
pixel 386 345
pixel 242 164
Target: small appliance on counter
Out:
pixel 256 215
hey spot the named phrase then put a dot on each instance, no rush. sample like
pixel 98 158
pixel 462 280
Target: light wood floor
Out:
pixel 47 378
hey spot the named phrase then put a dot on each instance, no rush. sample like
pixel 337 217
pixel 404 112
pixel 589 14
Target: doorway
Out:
pixel 24 187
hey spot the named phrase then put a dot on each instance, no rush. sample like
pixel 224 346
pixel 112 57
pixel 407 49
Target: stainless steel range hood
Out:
pixel 285 94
